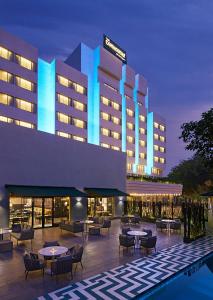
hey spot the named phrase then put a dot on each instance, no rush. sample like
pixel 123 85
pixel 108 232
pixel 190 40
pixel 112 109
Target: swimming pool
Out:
pixel 195 283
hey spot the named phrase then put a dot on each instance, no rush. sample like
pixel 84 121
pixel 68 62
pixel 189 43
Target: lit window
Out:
pixel 115 105
pixel 24 124
pixel 130 153
pixel 142 155
pixel 63 134
pixel 24 62
pixel 140 168
pixel 142 143
pixel 64 99
pixel 130 125
pixel 78 105
pixel 63 118
pixel 142 118
pixel 130 112
pixel 162 160
pixel 162 149
pixel 105 145
pixel 162 138
pixel 25 84
pixel 156 136
pixel 162 128
pixel 156 147
pixel 6 54
pixel 156 125
pixel 78 138
pixel 5 99
pixel 24 105
pixel 79 88
pixel 105 101
pixel 5 76
pixel 63 81
pixel 130 139
pixel 115 120
pixel 105 116
pixel 156 159
pixel 142 130
pixel 129 167
pixel 156 171
pixel 78 123
pixel 105 131
pixel 115 148
pixel 6 120
pixel 115 135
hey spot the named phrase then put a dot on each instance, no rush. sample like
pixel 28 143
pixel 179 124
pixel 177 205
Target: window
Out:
pixel 142 155
pixel 162 149
pixel 129 167
pixel 130 153
pixel 78 138
pixel 5 53
pixel 78 105
pixel 142 143
pixel 24 124
pixel 162 128
pixel 5 76
pixel 156 125
pixel 25 63
pixel 142 130
pixel 78 123
pixel 105 100
pixel 115 135
pixel 142 118
pixel 115 120
pixel 24 105
pixel 105 131
pixel 130 112
pixel 111 87
pixel 105 116
pixel 130 126
pixel 63 81
pixel 105 145
pixel 156 147
pixel 162 160
pixel 63 118
pixel 156 136
pixel 156 159
pixel 115 105
pixel 115 148
pixel 6 120
pixel 156 171
pixel 140 169
pixel 162 138
pixel 25 84
pixel 130 139
pixel 63 134
pixel 64 99
pixel 5 99
pixel 79 88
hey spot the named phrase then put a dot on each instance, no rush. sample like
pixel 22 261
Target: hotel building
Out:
pixel 88 117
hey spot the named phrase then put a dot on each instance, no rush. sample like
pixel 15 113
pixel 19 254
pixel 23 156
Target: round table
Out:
pixel 4 231
pixel 87 222
pixel 168 223
pixel 137 234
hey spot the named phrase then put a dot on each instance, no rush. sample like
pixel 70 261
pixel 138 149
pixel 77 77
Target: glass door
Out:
pixel 48 212
pixel 37 212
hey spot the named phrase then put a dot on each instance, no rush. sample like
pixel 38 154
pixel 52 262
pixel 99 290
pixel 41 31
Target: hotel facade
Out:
pixel 82 124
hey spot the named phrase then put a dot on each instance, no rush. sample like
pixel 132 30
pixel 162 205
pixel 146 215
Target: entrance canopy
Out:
pixel 102 192
pixel 43 191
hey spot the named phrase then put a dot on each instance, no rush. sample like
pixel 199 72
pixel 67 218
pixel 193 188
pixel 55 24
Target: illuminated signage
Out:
pixel 114 49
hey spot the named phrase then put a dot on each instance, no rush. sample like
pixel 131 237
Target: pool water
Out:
pixel 196 283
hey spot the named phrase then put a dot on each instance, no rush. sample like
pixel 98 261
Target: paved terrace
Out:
pixel 100 254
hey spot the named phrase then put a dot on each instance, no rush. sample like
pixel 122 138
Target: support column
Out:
pixel 78 208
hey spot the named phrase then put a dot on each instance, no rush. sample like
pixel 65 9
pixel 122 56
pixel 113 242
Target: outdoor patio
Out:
pixel 100 254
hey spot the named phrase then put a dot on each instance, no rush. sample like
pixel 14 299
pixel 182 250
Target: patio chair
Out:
pixel 77 253
pixel 24 235
pixel 32 264
pixel 161 225
pixel 149 242
pixel 135 220
pixel 148 231
pixel 126 241
pixel 175 226
pixel 62 265
pixel 125 220
pixel 106 224
pixel 125 230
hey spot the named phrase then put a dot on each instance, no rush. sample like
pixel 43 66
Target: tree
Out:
pixel 195 176
pixel 199 136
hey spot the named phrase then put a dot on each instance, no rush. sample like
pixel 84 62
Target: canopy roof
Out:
pixel 43 191
pixel 104 192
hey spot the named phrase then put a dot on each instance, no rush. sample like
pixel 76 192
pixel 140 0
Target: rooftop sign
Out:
pixel 113 48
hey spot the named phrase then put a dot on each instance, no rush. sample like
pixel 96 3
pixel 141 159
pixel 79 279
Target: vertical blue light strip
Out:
pixel 46 96
pixel 90 60
pixel 135 97
pixel 150 142
pixel 122 82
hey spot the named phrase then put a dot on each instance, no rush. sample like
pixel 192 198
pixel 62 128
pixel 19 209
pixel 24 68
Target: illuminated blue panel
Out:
pixel 90 60
pixel 150 137
pixel 46 96
pixel 135 97
pixel 122 82
pixel 147 101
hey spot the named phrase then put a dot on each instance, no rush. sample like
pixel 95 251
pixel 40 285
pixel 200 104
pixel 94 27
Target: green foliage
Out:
pixel 198 135
pixel 195 176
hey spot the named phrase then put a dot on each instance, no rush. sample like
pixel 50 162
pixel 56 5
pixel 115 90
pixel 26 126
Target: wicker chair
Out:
pixel 149 243
pixel 126 241
pixel 77 253
pixel 32 264
pixel 62 265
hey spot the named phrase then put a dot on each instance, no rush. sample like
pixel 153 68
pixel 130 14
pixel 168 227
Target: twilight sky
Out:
pixel 170 42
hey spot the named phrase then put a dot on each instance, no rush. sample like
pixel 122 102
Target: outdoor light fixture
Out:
pixel 121 198
pixel 78 199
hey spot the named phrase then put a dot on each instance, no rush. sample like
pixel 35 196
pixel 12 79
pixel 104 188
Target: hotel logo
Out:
pixel 114 49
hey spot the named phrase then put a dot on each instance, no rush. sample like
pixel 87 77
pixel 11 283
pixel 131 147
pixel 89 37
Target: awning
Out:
pixel 43 191
pixel 103 192
pixel 208 194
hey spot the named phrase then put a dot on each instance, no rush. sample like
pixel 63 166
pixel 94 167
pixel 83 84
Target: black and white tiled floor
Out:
pixel 130 280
